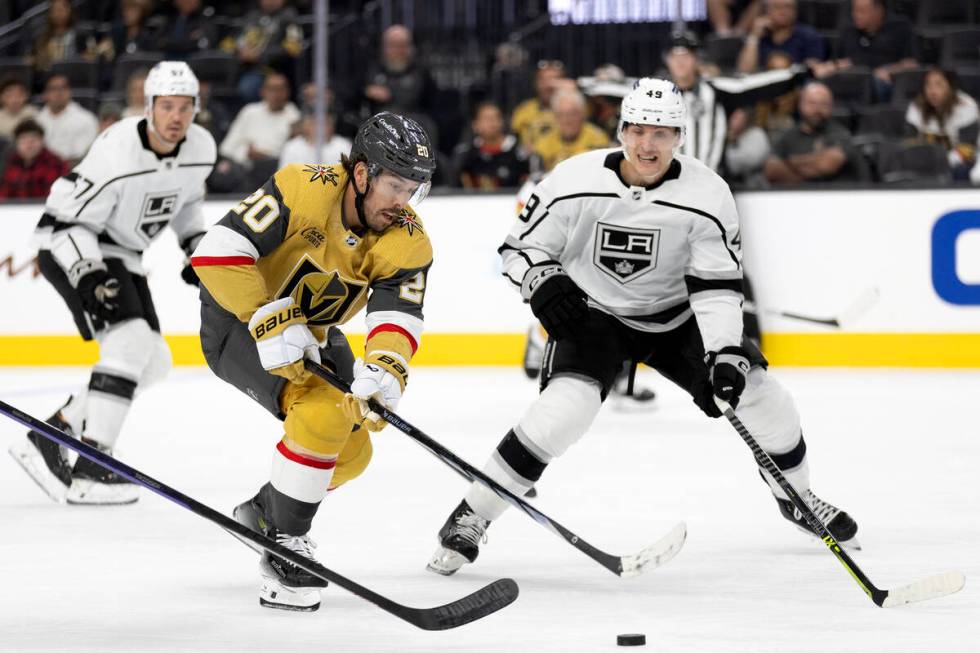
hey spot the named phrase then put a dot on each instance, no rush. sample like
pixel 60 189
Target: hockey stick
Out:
pixel 922 590
pixel 861 304
pixel 653 556
pixel 481 603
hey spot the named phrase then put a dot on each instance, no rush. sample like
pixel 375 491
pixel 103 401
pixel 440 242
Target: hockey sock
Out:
pixel 793 465
pixel 516 465
pixel 109 398
pixel 299 481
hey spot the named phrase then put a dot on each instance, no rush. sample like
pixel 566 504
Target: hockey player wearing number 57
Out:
pixel 302 254
pixel 633 254
pixel 141 175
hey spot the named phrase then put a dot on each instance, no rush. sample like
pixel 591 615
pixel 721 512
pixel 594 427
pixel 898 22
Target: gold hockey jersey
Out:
pixel 288 239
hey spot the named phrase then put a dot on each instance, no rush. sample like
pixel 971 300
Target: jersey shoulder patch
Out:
pixel 405 244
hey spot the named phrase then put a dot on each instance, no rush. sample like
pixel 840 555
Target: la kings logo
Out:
pixel 625 253
pixel 158 210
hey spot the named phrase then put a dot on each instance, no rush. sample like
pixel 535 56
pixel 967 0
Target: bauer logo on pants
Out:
pixel 625 253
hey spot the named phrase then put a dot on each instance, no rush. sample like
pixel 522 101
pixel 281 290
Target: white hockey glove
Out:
pixel 283 339
pixel 382 378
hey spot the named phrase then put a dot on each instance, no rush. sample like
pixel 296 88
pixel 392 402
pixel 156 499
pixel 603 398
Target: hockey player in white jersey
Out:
pixel 140 175
pixel 633 254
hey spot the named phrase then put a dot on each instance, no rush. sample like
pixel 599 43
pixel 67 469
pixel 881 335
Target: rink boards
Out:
pixel 900 268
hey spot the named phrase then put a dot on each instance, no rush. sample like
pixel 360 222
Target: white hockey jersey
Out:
pixel 649 256
pixel 122 194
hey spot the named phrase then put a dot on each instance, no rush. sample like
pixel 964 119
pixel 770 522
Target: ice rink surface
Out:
pixel 900 450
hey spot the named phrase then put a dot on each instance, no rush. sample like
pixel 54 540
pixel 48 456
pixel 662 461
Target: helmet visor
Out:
pixel 403 191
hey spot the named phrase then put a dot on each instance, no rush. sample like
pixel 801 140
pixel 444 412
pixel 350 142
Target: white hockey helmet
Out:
pixel 654 102
pixel 170 78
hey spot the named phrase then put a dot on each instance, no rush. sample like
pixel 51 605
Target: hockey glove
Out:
pixel 190 276
pixel 727 370
pixel 283 339
pixel 98 290
pixel 382 378
pixel 555 300
pixel 189 244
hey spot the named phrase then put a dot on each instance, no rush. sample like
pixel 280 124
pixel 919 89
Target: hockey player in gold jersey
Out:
pixel 302 254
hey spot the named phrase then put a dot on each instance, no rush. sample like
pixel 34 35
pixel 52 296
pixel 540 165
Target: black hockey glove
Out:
pixel 726 372
pixel 190 276
pixel 189 244
pixel 558 303
pixel 98 290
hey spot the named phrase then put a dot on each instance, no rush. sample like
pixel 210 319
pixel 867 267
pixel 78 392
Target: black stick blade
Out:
pixel 485 601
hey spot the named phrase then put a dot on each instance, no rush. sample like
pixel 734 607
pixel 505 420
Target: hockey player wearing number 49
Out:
pixel 633 254
pixel 141 175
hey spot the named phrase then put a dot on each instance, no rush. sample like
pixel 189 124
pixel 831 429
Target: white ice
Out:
pixel 900 450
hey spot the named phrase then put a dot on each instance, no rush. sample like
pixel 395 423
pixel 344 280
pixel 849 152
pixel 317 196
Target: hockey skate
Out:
pixel 284 585
pixel 94 485
pixel 839 523
pixel 459 540
pixel 44 460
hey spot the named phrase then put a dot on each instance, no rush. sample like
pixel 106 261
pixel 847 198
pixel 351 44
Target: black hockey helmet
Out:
pixel 397 144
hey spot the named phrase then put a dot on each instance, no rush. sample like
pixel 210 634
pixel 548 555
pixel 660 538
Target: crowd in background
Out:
pixel 773 100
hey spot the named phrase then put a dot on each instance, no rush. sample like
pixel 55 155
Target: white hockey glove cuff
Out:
pixel 382 378
pixel 283 339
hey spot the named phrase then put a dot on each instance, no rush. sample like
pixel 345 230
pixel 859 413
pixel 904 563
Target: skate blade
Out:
pixel 32 462
pixel 89 493
pixel 277 596
pixel 446 562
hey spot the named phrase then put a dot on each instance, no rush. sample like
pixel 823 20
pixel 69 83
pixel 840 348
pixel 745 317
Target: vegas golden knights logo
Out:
pixel 324 297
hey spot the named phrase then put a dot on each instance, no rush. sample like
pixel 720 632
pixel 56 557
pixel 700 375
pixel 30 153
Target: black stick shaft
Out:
pixel 479 604
pixel 817 526
pixel 611 562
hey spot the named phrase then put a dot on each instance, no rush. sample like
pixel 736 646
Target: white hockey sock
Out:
pixel 301 476
pixel 109 398
pixel 484 501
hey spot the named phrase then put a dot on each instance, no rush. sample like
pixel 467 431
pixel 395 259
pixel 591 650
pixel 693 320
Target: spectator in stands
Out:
pixel 776 116
pixel 875 40
pixel 944 114
pixel 59 39
pixel 129 34
pixel 191 29
pixel 135 104
pixel 398 83
pixel 492 158
pixel 270 39
pixel 109 114
pixel 68 128
pixel 533 118
pixel 605 91
pixel 572 134
pixel 816 149
pixel 212 115
pixel 260 129
pixel 14 108
pixel 746 149
pixel 778 29
pixel 733 17
pixel 975 173
pixel 302 149
pixel 510 80
pixel 30 168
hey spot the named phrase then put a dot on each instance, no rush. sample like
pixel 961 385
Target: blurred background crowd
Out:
pixel 780 92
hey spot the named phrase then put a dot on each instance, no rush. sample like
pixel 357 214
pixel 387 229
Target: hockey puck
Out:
pixel 631 639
